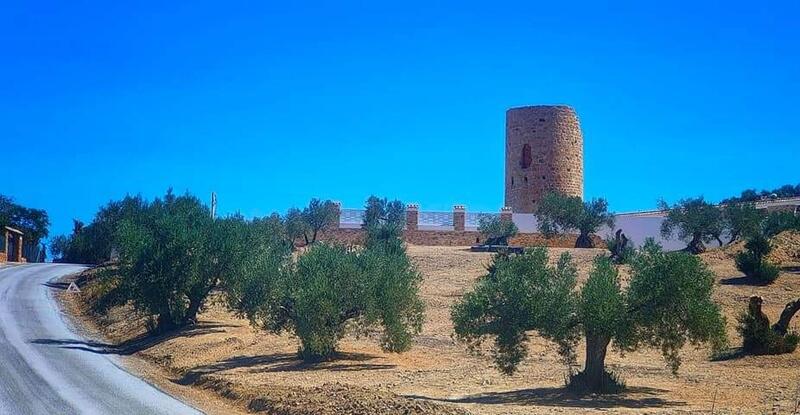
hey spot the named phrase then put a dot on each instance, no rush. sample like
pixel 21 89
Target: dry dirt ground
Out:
pixel 255 371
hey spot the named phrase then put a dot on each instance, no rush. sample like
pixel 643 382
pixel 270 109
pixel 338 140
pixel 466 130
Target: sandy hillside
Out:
pixel 225 355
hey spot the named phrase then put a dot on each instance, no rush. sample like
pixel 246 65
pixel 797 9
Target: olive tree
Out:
pixel 742 220
pixel 331 289
pixel 667 304
pixel 383 222
pixel 318 216
pixel 496 229
pixel 165 259
pixel 777 222
pixel 695 220
pixel 295 225
pixel 558 213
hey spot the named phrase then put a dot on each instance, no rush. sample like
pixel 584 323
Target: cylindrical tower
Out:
pixel 544 152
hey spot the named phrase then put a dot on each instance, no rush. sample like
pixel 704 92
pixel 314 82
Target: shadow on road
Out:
pixel 284 362
pixel 134 345
pixel 633 397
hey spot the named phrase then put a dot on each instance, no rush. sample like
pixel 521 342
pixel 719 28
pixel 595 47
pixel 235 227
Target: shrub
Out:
pixel 753 263
pixel 621 248
pixel 757 335
pixel 667 304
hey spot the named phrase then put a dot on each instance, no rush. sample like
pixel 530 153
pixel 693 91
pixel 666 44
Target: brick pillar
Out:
pixel 412 217
pixel 338 219
pixel 506 213
pixel 459 217
pixel 19 249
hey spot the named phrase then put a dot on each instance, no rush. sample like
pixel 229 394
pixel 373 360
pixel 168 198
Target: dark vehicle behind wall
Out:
pixel 499 244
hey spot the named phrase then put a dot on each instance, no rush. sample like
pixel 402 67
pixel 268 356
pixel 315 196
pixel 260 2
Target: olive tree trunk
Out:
pixel 584 241
pixel 782 326
pixel 696 245
pixel 594 369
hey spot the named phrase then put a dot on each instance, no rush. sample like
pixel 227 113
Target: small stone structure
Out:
pixel 544 152
pixel 12 248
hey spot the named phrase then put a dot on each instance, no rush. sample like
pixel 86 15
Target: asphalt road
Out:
pixel 46 368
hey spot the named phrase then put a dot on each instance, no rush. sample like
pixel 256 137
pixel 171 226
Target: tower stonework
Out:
pixel 544 152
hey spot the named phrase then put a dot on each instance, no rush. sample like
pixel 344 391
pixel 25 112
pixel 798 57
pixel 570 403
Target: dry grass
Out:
pixel 223 354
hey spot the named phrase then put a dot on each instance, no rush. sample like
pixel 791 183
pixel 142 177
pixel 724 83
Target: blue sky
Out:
pixel 270 104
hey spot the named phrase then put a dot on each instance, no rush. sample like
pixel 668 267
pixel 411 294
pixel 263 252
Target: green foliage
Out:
pixel 668 303
pixel 752 195
pixel 602 307
pixel 308 223
pixel 167 266
pixel 669 299
pixel 383 222
pixel 621 248
pixel 34 223
pixel 753 263
pixel 521 293
pixel 777 222
pixel 695 220
pixel 493 227
pixel 558 214
pixel 759 339
pixel 742 220
pixel 318 216
pixel 381 211
pixel 330 289
pixel 295 225
pixel 94 243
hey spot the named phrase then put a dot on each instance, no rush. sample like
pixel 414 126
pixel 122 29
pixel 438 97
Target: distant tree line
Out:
pixel 752 195
pixel 33 223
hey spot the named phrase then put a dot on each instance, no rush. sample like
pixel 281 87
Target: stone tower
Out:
pixel 544 152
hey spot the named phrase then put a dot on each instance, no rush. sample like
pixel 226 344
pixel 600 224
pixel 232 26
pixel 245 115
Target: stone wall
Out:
pixel 544 152
pixel 452 238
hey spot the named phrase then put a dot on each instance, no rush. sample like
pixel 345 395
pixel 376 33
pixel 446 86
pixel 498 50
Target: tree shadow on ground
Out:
pixel 136 344
pixel 633 397
pixel 284 362
pixel 732 353
pixel 791 269
pixel 743 280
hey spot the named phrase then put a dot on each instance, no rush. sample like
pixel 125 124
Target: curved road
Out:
pixel 41 370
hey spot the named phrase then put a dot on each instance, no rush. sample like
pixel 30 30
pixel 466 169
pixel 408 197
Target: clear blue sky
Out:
pixel 272 104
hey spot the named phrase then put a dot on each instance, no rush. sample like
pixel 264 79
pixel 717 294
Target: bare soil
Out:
pixel 222 356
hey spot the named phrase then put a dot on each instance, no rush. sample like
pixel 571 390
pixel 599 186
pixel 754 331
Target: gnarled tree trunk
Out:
pixel 782 326
pixel 618 248
pixel 594 369
pixel 696 245
pixel 584 241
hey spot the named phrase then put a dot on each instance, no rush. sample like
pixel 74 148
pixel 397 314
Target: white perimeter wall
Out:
pixel 636 227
